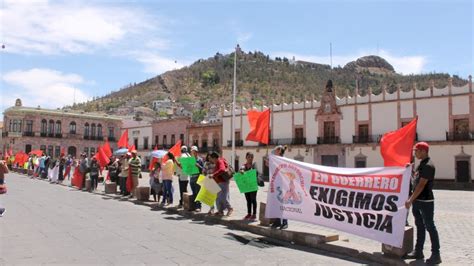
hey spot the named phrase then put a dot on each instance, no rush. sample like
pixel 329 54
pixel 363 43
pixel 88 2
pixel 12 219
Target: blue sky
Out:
pixel 56 51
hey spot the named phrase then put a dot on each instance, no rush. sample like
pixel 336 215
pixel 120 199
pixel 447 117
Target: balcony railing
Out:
pixel 459 136
pixel 58 135
pixel 238 143
pixel 329 140
pixel 100 138
pixel 87 137
pixel 51 135
pixel 43 134
pixel 366 139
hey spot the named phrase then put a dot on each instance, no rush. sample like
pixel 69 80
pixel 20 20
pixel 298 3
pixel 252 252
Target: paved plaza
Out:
pixel 57 224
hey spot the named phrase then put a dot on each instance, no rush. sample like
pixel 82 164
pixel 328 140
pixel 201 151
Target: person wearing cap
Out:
pixel 195 187
pixel 135 165
pixel 422 200
pixel 183 178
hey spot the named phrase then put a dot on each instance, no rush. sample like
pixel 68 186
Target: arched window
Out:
pixel 92 130
pixel 72 127
pixel 44 127
pixel 51 127
pixel 86 130
pixel 99 130
pixel 58 127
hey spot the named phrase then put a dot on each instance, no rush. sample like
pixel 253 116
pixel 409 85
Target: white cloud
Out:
pixel 402 64
pixel 45 87
pixel 156 64
pixel 42 27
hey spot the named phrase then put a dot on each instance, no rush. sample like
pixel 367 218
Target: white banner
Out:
pixel 367 202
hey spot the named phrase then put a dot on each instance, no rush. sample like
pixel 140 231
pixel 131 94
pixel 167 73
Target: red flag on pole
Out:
pixel 107 149
pixel 153 161
pixel 259 126
pixel 396 147
pixel 102 157
pixel 132 148
pixel 175 150
pixel 63 151
pixel 129 183
pixel 123 141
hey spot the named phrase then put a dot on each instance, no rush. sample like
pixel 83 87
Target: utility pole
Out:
pixel 234 93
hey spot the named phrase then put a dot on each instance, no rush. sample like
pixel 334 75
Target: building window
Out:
pixel 93 130
pixel 196 142
pixel 29 126
pixel 165 142
pixel 57 151
pixel 27 148
pixel 173 140
pixel 92 151
pixel 43 148
pixel 461 129
pixel 237 136
pixel 145 143
pixel 363 132
pixel 15 125
pixel 72 128
pixel 157 140
pixel 215 143
pixel 86 129
pixel 360 162
pixel 44 127
pixel 329 129
pixel 86 151
pixel 58 127
pixel 299 136
pixel 204 143
pixel 51 128
pixel 181 137
pixel 111 132
pixel 135 142
pixel 99 130
pixel 50 150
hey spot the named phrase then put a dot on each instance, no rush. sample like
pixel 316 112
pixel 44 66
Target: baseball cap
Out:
pixel 422 146
pixel 194 148
pixel 134 151
pixel 184 148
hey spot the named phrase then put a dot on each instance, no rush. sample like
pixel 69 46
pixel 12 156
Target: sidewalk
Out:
pixel 454 220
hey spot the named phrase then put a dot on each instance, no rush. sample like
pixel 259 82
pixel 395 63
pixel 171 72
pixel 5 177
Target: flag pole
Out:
pixel 234 92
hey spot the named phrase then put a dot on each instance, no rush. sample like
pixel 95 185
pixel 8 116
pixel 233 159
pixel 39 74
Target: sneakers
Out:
pixel 275 225
pixel 197 210
pixel 180 206
pixel 253 217
pixel 434 259
pixel 416 254
pixel 283 226
pixel 247 217
pixel 219 214
pixel 230 211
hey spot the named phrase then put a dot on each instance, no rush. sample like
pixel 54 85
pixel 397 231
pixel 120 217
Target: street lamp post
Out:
pixel 234 93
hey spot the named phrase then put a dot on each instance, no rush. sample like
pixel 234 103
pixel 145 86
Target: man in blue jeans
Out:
pixel 422 199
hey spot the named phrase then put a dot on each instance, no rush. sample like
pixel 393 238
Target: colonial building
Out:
pixel 206 136
pixel 28 129
pixel 167 132
pixel 345 131
pixel 140 134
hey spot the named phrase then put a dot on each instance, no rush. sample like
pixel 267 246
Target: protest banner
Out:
pixel 367 202
pixel 247 181
pixel 188 165
pixel 200 179
pixel 206 197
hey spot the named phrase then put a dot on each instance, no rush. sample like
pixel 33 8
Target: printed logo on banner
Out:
pixel 291 175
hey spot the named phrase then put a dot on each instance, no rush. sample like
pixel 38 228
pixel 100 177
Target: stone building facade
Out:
pixel 27 129
pixel 166 132
pixel 345 132
pixel 207 137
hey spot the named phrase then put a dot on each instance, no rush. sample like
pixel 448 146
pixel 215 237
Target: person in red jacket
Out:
pixel 222 202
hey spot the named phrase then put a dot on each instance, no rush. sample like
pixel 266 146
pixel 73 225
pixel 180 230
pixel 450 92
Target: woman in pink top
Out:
pixel 167 176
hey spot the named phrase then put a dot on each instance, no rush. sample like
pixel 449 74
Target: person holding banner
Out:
pixel 183 178
pixel 279 223
pixel 221 178
pixel 167 176
pixel 250 197
pixel 195 187
pixel 208 170
pixel 422 199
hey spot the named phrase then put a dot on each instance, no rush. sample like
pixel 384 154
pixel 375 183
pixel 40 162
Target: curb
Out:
pixel 329 243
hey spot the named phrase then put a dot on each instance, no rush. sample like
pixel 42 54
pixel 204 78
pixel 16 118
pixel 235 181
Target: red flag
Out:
pixel 153 160
pixel 107 149
pixel 132 148
pixel 123 141
pixel 77 178
pixel 102 158
pixel 175 150
pixel 396 147
pixel 259 126
pixel 63 151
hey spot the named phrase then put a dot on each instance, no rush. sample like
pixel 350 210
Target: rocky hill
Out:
pixel 261 79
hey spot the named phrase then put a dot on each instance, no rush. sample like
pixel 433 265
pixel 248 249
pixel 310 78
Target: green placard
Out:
pixel 246 182
pixel 188 164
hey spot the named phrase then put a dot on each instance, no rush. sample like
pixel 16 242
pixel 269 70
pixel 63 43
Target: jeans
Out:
pixel 195 187
pixel 168 191
pixel 94 181
pixel 251 198
pixel 183 187
pixel 123 185
pixel 222 201
pixel 423 213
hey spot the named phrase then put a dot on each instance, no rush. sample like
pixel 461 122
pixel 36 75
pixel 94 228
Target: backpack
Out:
pixel 229 171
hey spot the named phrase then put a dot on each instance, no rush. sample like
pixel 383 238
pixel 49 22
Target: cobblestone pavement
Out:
pixel 52 224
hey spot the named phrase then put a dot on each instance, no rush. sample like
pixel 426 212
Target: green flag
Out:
pixel 188 164
pixel 246 182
